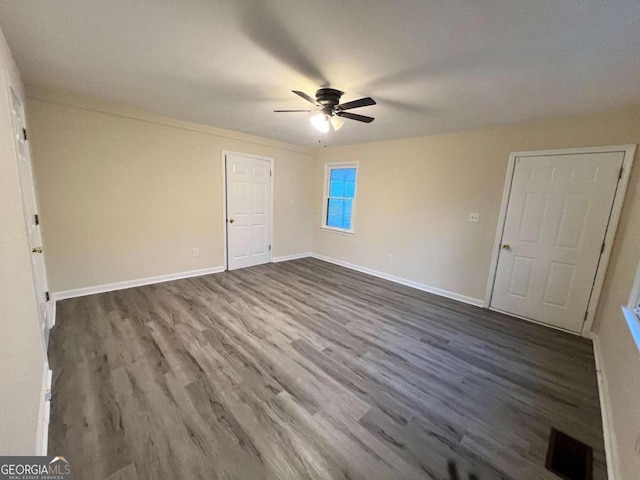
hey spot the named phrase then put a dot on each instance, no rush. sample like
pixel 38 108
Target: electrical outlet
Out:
pixel 474 217
pixel 637 445
pixel 390 258
pixel 195 252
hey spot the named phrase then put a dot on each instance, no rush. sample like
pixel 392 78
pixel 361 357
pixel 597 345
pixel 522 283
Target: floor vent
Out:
pixel 569 458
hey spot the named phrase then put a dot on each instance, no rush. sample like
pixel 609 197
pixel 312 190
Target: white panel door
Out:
pixel 30 209
pixel 248 211
pixel 555 225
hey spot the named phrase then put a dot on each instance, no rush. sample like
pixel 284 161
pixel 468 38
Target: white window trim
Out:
pixel 325 196
pixel 632 311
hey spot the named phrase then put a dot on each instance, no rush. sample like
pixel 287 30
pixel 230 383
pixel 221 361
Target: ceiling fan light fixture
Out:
pixel 336 122
pixel 320 121
pixel 330 112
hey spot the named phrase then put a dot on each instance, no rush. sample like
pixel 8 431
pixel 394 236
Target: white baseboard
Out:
pixel 79 292
pixel 110 287
pixel 610 444
pixel 42 438
pixel 403 281
pixel 286 258
pixel 51 314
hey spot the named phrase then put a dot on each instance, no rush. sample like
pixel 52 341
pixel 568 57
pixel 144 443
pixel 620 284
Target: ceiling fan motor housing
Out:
pixel 328 98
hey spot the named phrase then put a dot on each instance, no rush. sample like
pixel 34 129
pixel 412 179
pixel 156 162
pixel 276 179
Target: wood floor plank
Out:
pixel 304 369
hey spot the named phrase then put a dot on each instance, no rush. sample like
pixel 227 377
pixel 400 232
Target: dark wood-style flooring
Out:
pixel 304 369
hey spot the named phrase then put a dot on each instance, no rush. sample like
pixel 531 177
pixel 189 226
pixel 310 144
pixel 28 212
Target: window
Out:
pixel 339 196
pixel 632 312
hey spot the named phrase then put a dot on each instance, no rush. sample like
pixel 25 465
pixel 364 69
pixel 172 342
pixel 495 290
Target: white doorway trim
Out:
pixel 224 201
pixel 627 163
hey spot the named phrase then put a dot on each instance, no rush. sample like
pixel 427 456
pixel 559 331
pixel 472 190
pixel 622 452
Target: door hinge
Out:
pixel 270 173
pixel 36 219
pixel 24 134
pixel 620 174
pixel 269 247
pixel 47 296
pixel 602 248
pixel 585 315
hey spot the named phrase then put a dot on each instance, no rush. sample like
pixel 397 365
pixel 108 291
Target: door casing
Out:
pixel 224 201
pixel 616 210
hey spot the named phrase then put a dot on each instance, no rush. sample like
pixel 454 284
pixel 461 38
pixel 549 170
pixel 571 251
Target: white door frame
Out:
pixel 224 201
pixel 616 209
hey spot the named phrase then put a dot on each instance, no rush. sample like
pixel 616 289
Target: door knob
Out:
pixel 506 246
pixel 37 250
pixel 231 220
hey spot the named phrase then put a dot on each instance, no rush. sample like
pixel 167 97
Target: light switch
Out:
pixel 474 217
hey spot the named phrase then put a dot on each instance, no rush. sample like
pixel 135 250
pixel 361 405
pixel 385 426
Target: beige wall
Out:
pixel 620 356
pixel 21 346
pixel 127 195
pixel 413 200
pixel 414 197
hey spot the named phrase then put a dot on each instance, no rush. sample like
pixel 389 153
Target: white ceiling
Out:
pixel 433 65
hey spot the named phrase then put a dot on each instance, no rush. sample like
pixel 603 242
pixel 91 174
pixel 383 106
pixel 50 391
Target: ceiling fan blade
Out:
pixel 363 102
pixel 355 116
pixel 305 96
pixel 281 111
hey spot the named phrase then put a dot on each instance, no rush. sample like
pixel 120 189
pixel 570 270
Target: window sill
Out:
pixel 633 320
pixel 337 230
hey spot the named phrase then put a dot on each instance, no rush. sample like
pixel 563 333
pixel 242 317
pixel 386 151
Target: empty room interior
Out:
pixel 332 240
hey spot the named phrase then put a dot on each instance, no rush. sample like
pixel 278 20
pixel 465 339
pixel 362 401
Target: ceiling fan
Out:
pixel 331 111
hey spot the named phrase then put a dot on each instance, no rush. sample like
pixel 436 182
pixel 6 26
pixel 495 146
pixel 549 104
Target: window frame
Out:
pixel 328 166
